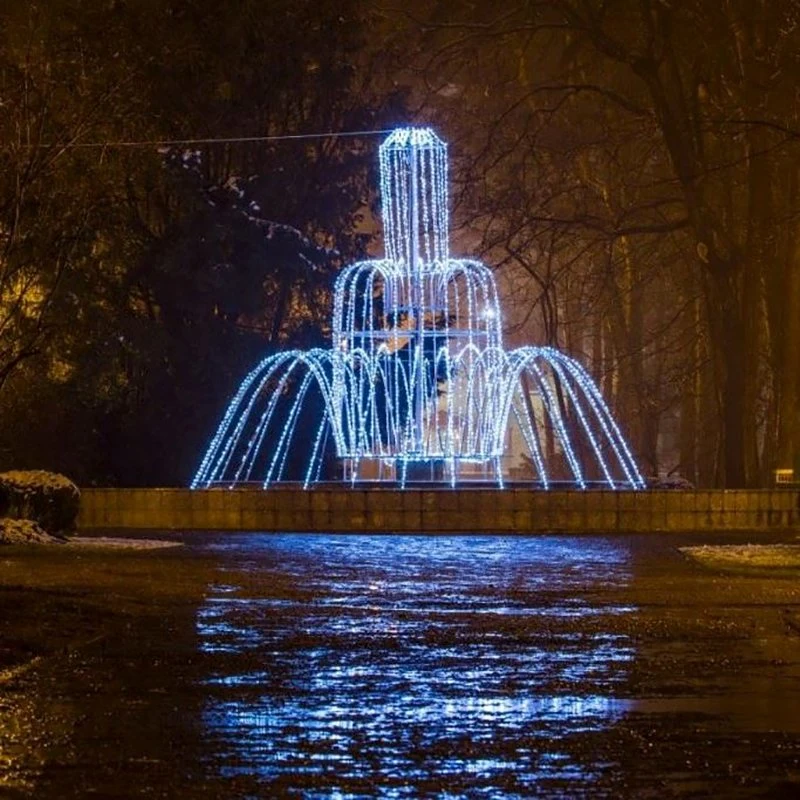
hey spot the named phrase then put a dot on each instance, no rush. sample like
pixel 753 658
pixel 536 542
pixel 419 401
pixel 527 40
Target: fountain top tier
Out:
pixel 413 164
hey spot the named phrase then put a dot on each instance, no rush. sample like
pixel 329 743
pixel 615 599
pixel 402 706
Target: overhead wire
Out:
pixel 211 140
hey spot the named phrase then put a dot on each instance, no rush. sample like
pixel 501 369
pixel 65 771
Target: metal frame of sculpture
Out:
pixel 417 384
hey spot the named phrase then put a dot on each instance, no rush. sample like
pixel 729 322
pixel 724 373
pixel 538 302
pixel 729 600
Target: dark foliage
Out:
pixel 161 276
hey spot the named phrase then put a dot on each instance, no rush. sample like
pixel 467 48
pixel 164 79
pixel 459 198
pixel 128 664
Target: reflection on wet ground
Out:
pixel 412 662
pixel 246 666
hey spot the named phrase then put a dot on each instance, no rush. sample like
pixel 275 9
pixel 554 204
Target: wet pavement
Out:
pixel 247 665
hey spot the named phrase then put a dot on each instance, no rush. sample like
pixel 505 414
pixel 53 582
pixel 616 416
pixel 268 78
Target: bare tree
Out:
pixel 664 134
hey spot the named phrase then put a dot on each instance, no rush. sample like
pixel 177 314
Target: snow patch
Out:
pixel 119 542
pixel 24 531
pixel 746 555
pixel 35 478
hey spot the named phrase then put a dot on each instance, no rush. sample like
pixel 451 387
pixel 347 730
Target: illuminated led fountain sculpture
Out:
pixel 417 384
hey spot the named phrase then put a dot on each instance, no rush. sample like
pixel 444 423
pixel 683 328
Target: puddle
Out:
pixel 404 659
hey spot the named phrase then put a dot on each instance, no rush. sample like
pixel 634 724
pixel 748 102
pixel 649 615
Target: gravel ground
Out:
pixel 246 665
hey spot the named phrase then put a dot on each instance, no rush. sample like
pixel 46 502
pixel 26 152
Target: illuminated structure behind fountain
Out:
pixel 417 384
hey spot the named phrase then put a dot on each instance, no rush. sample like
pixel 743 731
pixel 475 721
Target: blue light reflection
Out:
pixel 341 664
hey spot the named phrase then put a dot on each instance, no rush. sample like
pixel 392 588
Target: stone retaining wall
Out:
pixel 438 510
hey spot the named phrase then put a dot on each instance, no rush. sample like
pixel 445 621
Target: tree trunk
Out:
pixel 690 403
pixel 729 338
pixel 759 252
pixel 788 444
